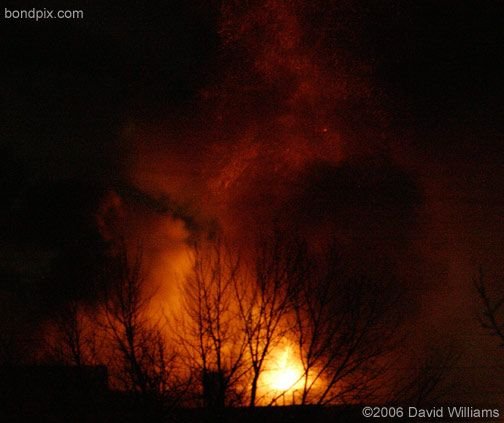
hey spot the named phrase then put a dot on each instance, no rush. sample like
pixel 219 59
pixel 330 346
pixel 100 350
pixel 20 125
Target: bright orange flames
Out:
pixel 283 375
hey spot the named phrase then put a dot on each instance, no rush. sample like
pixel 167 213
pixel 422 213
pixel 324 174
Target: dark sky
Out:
pixel 69 88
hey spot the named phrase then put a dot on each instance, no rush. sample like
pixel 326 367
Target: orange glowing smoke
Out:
pixel 276 108
pixel 267 118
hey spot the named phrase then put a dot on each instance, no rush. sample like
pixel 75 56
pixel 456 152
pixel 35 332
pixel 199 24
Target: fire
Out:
pixel 284 374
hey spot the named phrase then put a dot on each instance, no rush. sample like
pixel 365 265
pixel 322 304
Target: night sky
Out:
pixel 146 103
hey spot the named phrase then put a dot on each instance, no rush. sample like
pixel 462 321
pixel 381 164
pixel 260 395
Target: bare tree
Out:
pixel 425 383
pixel 263 301
pixel 208 334
pixel 74 341
pixel 138 349
pixel 237 314
pixel 492 314
pixel 344 327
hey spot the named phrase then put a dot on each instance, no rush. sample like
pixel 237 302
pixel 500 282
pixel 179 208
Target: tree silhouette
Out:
pixel 344 327
pixel 239 312
pixel 138 349
pixel 491 317
pixel 264 300
pixel 425 384
pixel 75 341
pixel 208 334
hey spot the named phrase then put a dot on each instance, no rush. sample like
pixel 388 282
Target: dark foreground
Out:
pixel 81 394
pixel 128 413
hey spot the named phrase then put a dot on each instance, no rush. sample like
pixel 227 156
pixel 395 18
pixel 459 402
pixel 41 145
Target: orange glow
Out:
pixel 283 375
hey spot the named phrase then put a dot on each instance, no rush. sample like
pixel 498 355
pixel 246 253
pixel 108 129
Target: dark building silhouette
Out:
pixel 213 390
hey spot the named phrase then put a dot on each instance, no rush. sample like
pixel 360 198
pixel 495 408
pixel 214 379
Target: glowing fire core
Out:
pixel 285 373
